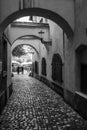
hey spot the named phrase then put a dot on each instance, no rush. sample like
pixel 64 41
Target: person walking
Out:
pixel 22 68
pixel 18 70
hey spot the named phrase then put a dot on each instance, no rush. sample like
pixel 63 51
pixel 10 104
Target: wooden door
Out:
pixel 84 78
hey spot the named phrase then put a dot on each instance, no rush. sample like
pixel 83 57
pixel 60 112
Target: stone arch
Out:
pixel 44 66
pixel 28 45
pixel 57 68
pixel 31 36
pixel 60 21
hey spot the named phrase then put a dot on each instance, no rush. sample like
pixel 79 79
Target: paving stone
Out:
pixel 34 106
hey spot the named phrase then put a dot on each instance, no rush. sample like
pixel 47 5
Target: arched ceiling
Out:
pixel 27 37
pixel 21 41
pixel 38 12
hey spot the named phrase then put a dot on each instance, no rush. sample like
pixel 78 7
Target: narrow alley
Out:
pixel 34 106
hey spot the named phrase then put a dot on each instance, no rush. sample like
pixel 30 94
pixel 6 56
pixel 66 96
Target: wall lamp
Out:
pixel 43 41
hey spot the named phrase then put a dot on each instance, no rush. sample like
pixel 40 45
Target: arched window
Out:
pixel 43 66
pixel 36 67
pixel 57 68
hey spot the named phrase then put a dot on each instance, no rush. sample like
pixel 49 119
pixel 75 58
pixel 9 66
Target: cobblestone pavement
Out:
pixel 34 106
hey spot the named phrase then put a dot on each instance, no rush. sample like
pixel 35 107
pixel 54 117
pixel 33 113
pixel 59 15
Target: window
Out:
pixel 57 68
pixel 43 66
pixel 36 67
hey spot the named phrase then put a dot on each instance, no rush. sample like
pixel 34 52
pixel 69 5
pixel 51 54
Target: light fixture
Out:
pixel 42 40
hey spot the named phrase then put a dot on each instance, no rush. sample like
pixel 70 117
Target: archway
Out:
pixel 28 45
pixel 81 68
pixel 22 56
pixel 38 12
pixel 29 36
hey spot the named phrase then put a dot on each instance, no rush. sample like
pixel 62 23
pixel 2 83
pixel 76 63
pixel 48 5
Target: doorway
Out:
pixel 4 64
pixel 83 78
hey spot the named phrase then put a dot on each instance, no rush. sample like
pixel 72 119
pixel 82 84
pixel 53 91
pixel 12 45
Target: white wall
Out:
pixel 20 29
pixel 72 69
pixel 56 33
pixel 57 46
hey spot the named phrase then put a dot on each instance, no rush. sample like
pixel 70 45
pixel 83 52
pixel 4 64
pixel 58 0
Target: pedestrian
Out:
pixel 22 69
pixel 18 70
